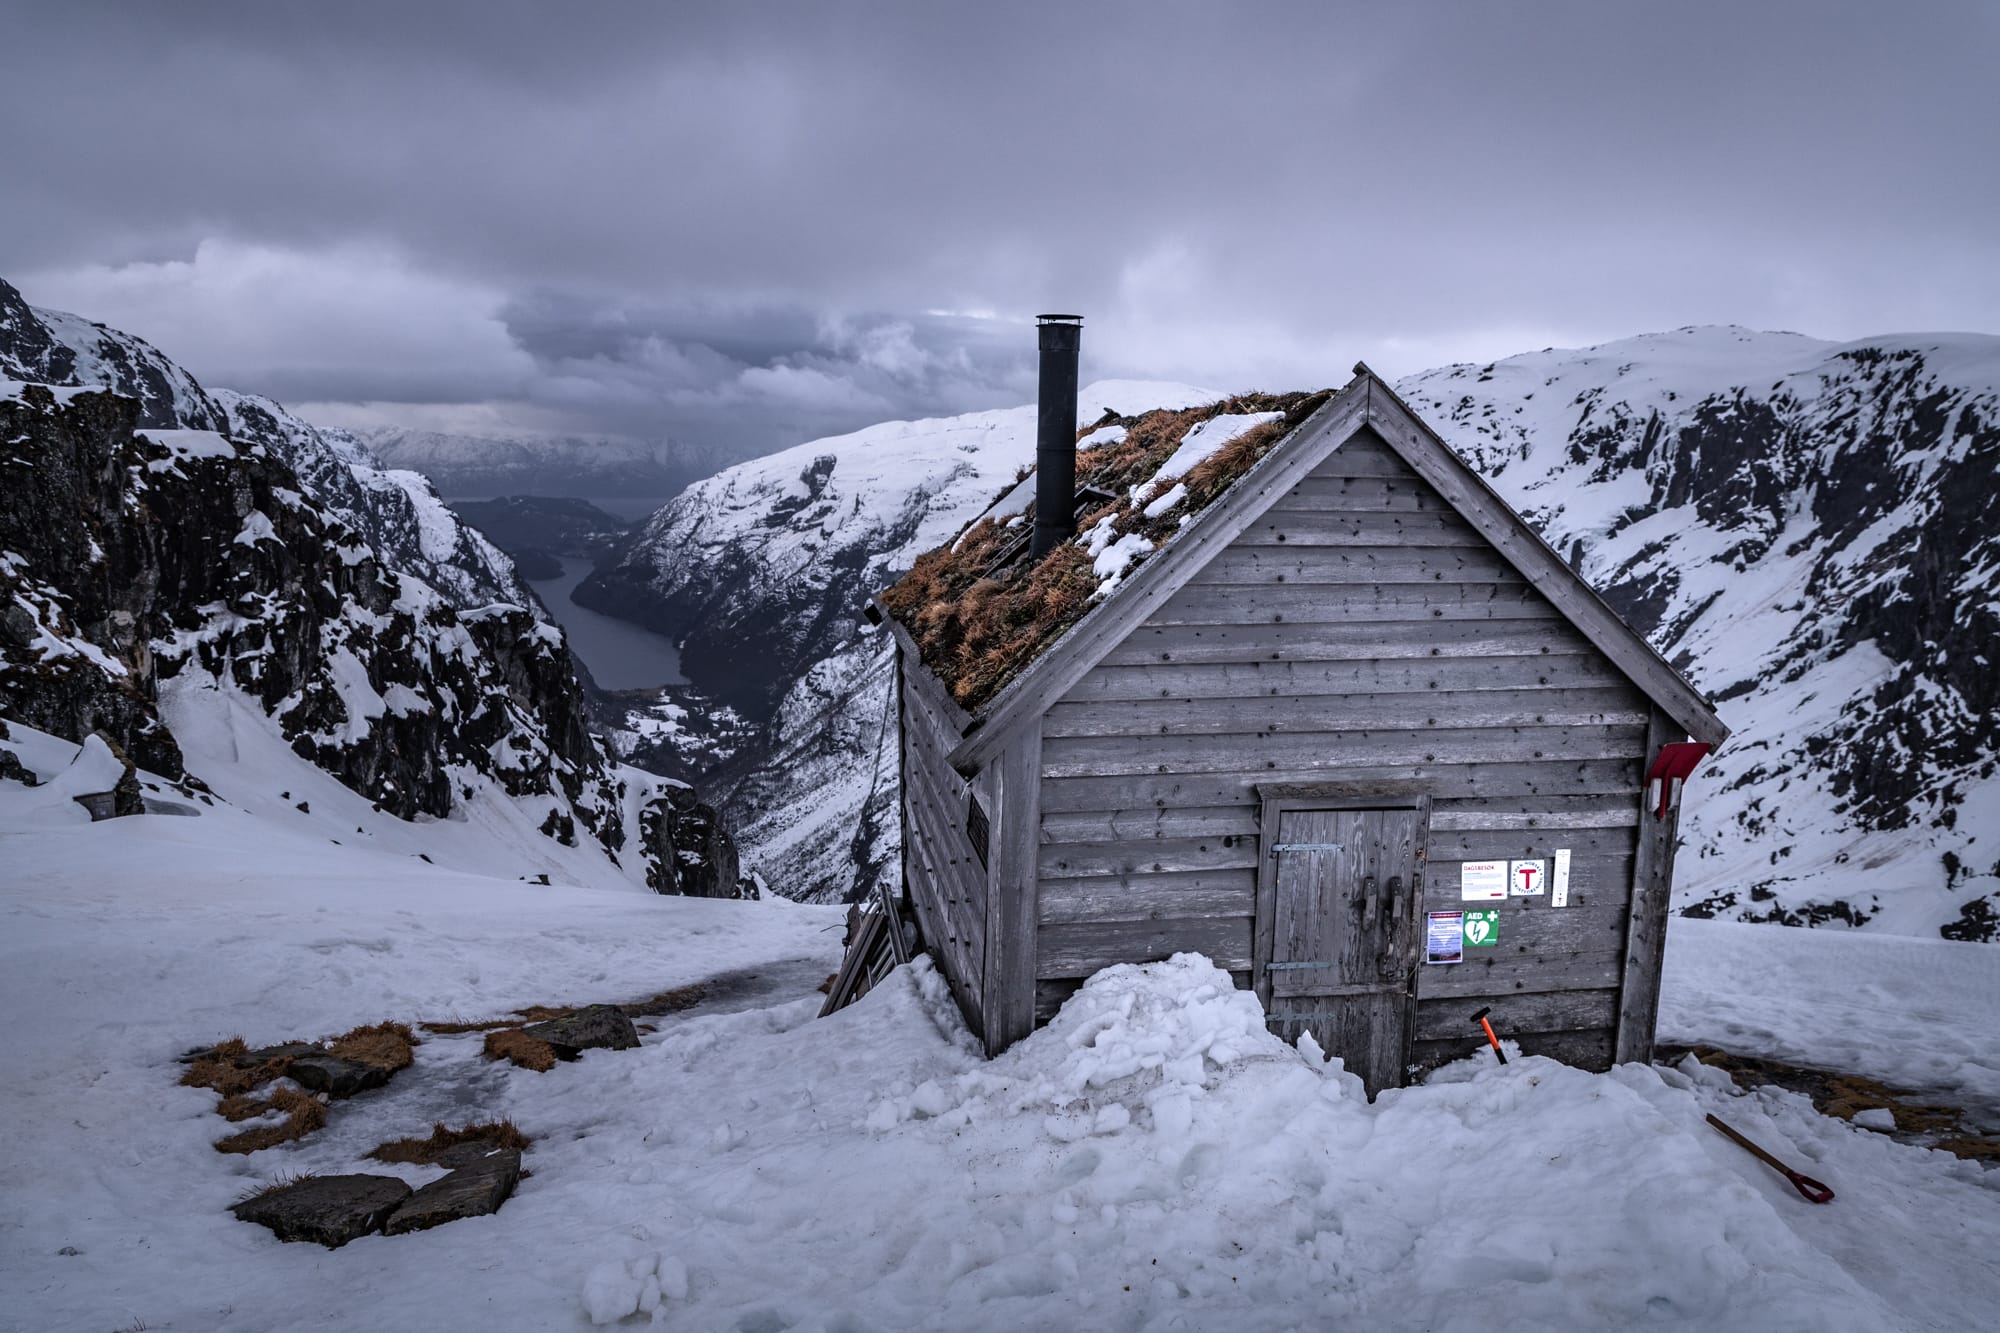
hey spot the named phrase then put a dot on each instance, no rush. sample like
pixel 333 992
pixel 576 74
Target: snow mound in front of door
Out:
pixel 1138 1044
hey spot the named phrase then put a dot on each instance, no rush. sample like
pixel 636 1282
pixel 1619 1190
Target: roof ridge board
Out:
pixel 1485 508
pixel 1065 660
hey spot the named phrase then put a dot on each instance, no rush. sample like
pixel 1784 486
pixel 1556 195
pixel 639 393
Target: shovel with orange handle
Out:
pixel 1806 1185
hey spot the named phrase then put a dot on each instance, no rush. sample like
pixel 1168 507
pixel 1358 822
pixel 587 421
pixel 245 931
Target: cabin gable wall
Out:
pixel 1358 632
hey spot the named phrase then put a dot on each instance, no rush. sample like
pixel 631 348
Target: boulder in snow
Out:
pixel 595 1026
pixel 479 1186
pixel 334 1076
pixel 331 1210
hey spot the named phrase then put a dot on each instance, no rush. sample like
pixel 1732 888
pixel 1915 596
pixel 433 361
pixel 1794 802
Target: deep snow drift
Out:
pixel 1151 1160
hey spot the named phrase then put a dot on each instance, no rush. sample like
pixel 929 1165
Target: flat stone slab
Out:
pixel 334 1076
pixel 473 1190
pixel 329 1210
pixel 593 1027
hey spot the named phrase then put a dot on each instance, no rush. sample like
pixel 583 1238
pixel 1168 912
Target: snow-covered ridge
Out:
pixel 1811 530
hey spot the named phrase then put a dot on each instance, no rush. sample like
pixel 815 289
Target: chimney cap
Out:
pixel 1058 319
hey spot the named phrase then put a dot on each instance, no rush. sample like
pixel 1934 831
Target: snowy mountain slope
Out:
pixel 54 347
pixel 1812 532
pixel 1152 1160
pixel 397 513
pixel 140 562
pixel 762 570
pixel 469 465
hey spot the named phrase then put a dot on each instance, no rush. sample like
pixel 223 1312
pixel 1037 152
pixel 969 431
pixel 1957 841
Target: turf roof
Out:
pixel 980 609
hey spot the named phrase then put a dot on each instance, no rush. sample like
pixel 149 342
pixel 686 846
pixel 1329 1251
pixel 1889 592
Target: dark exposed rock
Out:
pixel 329 1210
pixel 336 1077
pixel 593 1027
pixel 478 1186
pixel 12 769
pixel 691 852
pixel 1978 923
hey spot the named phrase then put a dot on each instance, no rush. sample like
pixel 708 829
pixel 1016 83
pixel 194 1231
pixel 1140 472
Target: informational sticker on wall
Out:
pixel 1444 937
pixel 1482 881
pixel 1527 879
pixel 1559 886
pixel 1482 929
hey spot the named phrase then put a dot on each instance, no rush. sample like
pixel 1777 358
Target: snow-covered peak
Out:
pixel 1811 530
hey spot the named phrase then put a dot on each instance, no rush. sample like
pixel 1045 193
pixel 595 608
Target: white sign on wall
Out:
pixel 1559 886
pixel 1482 881
pixel 1527 879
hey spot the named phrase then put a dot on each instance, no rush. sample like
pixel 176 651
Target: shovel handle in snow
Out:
pixel 1480 1018
pixel 1812 1189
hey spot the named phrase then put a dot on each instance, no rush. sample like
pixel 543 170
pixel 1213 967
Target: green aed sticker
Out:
pixel 1482 929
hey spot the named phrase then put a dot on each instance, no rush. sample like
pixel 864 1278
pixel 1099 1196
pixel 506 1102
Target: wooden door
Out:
pixel 1344 935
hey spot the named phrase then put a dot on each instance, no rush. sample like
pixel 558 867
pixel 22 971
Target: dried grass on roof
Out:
pixel 979 622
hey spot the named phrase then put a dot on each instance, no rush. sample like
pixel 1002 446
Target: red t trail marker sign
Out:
pixel 1527 879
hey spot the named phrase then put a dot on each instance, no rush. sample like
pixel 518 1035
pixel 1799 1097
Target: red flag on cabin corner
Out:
pixel 1673 765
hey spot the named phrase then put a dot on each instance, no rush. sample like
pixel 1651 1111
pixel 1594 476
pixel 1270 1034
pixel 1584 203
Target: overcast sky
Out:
pixel 755 223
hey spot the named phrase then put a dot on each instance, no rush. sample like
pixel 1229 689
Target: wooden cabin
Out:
pixel 1353 731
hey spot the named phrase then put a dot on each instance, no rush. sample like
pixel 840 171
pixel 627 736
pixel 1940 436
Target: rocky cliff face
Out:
pixel 1812 532
pixel 132 555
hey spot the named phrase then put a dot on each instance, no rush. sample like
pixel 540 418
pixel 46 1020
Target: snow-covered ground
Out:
pixel 1152 1160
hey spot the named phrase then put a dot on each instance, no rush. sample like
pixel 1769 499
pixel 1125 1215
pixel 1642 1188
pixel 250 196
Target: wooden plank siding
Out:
pixel 1358 632
pixel 941 872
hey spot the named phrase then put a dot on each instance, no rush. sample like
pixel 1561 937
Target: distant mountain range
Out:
pixel 1810 529
pixel 587 467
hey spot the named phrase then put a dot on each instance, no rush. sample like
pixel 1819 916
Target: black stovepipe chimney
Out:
pixel 1055 433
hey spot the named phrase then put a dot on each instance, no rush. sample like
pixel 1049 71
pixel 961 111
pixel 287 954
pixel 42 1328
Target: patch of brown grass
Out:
pixel 1846 1096
pixel 304 1113
pixel 524 1050
pixel 534 1013
pixel 980 622
pixel 425 1152
pixel 388 1046
pixel 221 1073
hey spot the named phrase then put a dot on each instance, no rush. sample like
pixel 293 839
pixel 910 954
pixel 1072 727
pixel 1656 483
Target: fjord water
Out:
pixel 620 654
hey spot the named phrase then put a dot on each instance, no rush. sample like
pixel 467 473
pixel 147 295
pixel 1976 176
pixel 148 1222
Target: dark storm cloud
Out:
pixel 731 213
